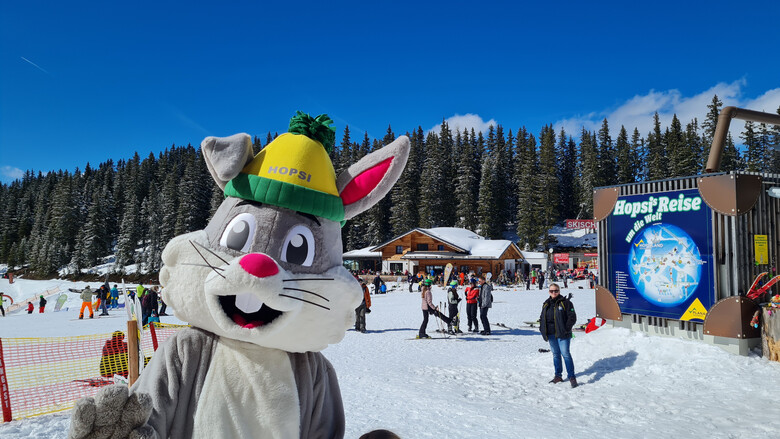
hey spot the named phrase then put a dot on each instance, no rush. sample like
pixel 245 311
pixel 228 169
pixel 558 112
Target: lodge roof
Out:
pixel 468 244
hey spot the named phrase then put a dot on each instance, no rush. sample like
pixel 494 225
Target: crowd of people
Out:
pixel 556 320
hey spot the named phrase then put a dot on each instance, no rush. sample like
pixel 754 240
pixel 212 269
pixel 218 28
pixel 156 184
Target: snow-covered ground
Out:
pixel 631 385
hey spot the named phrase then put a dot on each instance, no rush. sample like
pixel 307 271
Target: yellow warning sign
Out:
pixel 760 244
pixel 695 311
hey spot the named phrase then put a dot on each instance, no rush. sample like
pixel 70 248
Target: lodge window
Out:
pixel 396 267
pixel 441 248
pixel 399 249
pixel 422 247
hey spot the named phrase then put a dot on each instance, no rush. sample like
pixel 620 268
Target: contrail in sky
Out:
pixel 35 65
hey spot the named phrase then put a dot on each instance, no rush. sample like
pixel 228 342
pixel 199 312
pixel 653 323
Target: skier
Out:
pixel 555 323
pixel 2 310
pixel 472 293
pixel 30 307
pixel 377 283
pixel 541 279
pixel 362 309
pixel 86 302
pixel 163 305
pixel 41 304
pixel 103 294
pixel 114 297
pixel 453 300
pixel 429 308
pixel 485 303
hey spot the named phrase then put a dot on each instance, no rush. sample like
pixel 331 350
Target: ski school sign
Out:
pixel 660 251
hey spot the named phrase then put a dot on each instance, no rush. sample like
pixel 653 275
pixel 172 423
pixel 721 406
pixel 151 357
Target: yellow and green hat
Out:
pixel 294 171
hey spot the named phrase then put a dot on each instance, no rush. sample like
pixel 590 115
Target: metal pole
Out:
pixel 722 129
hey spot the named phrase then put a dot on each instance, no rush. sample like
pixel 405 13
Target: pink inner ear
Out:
pixel 364 183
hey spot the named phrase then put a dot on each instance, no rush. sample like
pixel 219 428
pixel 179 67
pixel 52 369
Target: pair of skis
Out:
pixel 755 292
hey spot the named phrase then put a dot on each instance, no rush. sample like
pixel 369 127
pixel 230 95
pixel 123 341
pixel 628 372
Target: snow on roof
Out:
pixel 574 237
pixel 534 255
pixel 363 253
pixel 469 241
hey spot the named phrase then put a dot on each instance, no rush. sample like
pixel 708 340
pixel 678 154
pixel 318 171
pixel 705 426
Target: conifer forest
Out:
pixel 494 182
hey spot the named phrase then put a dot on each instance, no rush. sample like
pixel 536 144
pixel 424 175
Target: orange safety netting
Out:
pixel 46 375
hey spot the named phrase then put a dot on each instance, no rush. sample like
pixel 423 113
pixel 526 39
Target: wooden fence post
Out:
pixel 132 351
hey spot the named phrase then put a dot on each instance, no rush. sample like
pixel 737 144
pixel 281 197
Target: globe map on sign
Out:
pixel 665 265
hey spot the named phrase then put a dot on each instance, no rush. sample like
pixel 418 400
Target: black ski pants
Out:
pixel 435 312
pixel 471 313
pixel 454 315
pixel 360 318
pixel 483 316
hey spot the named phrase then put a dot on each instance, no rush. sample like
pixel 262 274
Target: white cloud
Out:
pixel 9 173
pixel 458 123
pixel 638 111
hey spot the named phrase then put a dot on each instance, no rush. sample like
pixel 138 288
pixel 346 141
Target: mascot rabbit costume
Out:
pixel 264 289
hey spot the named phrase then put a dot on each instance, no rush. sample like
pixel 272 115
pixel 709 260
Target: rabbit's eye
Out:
pixel 298 246
pixel 239 233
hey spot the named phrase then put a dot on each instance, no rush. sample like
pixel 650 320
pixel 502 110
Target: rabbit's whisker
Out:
pixel 307 291
pixel 210 251
pixel 206 261
pixel 315 278
pixel 304 300
pixel 202 265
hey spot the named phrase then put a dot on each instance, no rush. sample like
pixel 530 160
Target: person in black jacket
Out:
pixel 555 324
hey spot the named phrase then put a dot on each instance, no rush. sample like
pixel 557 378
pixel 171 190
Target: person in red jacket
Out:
pixel 30 307
pixel 472 294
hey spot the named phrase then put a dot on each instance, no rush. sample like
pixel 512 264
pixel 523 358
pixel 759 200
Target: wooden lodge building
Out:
pixel 432 249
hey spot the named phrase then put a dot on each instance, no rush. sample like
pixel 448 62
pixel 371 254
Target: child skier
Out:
pixel 453 300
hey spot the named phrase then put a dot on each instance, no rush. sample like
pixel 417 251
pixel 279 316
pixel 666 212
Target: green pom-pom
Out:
pixel 316 128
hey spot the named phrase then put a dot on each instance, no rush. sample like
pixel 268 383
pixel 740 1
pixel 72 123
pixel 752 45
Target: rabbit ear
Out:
pixel 226 156
pixel 366 182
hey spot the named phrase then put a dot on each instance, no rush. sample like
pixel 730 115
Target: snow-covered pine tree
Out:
pixel 404 215
pixel 694 145
pixel 607 157
pixel 637 155
pixel 549 194
pixel 657 159
pixel 490 221
pixel 679 156
pixel 589 170
pixel 708 128
pixel 527 190
pixel 129 234
pixel 754 150
pixel 467 184
pixel 434 189
pixel 566 155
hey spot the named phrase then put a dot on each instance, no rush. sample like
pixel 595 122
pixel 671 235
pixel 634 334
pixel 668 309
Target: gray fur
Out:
pixel 399 149
pixel 270 235
pixel 226 156
pixel 120 414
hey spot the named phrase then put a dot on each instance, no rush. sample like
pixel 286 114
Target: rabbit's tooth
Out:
pixel 248 303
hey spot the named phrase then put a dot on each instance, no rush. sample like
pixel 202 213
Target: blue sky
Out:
pixel 85 81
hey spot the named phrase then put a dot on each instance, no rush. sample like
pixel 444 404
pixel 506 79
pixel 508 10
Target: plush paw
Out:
pixel 112 413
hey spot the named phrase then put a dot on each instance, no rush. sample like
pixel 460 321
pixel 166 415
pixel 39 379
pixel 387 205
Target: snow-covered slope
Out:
pixel 632 385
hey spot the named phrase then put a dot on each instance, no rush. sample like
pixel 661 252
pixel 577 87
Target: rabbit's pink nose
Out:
pixel 259 265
